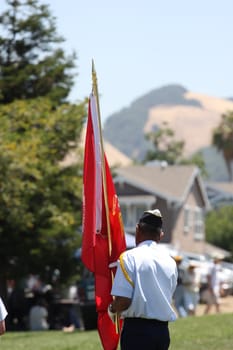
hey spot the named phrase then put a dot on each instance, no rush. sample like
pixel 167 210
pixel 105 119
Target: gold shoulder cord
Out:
pixel 124 271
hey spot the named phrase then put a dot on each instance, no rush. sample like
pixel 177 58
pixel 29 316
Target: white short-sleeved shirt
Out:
pixel 214 275
pixel 148 277
pixel 37 318
pixel 3 312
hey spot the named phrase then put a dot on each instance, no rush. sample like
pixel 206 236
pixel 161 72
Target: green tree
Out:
pixel 166 147
pixel 31 62
pixel 223 139
pixel 198 160
pixel 40 200
pixel 219 228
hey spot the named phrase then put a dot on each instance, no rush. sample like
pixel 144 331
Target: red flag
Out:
pixel 100 248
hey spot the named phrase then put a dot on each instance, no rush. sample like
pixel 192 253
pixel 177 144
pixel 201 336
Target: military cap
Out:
pixel 152 217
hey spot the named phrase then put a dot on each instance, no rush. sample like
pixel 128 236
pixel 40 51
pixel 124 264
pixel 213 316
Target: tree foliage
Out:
pixel 40 200
pixel 219 228
pixel 31 62
pixel 223 139
pixel 166 147
pixel 198 160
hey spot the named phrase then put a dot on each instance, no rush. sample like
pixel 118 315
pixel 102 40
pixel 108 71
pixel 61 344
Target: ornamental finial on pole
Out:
pixel 94 80
pixel 96 92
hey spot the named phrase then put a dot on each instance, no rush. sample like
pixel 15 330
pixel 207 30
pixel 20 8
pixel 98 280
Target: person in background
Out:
pixel 191 281
pixel 74 318
pixel 214 286
pixel 3 314
pixel 178 296
pixel 38 316
pixel 143 287
pixel 16 306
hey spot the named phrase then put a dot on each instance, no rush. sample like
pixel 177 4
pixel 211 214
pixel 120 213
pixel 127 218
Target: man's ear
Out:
pixel 137 235
pixel 161 235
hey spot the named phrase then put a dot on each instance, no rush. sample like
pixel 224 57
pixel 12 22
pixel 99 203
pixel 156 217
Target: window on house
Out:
pixel 124 213
pixel 127 216
pixel 187 220
pixel 139 209
pixel 198 224
pixel 132 214
pixel 132 208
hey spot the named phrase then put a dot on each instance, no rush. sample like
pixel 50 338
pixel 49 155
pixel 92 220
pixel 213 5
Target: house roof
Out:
pixel 224 187
pixel 172 183
pixel 220 193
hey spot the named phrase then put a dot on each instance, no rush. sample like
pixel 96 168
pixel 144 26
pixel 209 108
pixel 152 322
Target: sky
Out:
pixel 141 45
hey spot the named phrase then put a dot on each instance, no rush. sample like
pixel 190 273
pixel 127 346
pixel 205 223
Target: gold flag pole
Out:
pixel 96 93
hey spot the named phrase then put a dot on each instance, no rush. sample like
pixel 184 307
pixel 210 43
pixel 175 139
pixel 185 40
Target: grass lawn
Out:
pixel 214 332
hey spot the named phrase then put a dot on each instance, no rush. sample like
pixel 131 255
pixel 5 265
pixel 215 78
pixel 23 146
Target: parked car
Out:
pixel 204 263
pixel 226 270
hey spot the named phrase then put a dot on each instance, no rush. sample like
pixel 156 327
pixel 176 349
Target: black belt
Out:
pixel 145 320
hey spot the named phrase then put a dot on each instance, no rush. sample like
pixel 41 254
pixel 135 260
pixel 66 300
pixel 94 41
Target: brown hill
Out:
pixel 193 124
pixel 192 116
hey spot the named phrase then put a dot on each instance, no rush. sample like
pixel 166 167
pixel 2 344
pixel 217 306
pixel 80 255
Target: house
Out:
pixel 219 193
pixel 178 191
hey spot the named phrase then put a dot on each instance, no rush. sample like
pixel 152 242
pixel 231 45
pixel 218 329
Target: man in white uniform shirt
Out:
pixel 3 314
pixel 143 287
